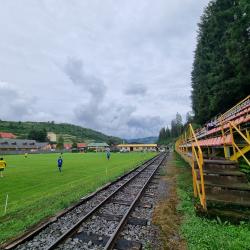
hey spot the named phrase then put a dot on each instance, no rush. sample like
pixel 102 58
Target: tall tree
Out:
pixel 178 123
pixel 38 135
pixel 220 75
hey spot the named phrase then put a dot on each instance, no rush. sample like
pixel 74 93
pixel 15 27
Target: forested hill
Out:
pixel 23 128
pixel 221 75
pixel 146 140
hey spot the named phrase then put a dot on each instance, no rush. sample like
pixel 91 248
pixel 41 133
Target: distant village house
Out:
pixel 7 135
pixel 43 146
pixel 17 144
pixel 98 145
pixel 51 136
pixel 138 147
pixel 79 145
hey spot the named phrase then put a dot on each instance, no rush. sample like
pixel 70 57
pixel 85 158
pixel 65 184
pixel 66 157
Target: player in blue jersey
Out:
pixel 108 154
pixel 60 162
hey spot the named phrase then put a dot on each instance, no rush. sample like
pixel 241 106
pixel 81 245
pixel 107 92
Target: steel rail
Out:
pixel 110 244
pixel 75 227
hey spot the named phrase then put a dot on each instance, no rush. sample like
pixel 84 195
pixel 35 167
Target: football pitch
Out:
pixel 36 189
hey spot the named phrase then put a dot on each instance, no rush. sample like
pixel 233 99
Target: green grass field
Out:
pixel 36 189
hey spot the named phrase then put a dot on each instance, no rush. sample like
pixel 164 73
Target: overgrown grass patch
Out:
pixel 37 189
pixel 202 233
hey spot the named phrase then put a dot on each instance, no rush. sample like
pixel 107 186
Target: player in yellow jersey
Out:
pixel 2 166
pixel 25 155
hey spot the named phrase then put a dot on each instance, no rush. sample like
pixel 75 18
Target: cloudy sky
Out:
pixel 120 67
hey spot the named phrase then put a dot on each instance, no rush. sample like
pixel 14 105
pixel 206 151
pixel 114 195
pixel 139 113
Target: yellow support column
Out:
pixel 194 181
pixel 232 136
pixel 186 142
pixel 247 134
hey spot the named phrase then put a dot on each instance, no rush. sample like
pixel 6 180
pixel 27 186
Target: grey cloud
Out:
pixel 141 125
pixel 14 103
pixel 135 89
pixel 75 71
pixel 145 122
pixel 108 118
pixel 130 42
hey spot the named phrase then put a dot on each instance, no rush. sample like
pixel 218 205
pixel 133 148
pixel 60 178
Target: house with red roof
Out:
pixel 79 145
pixel 7 135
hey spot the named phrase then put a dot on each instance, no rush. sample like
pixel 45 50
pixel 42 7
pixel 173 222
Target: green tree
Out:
pixel 38 135
pixel 59 145
pixel 60 139
pixel 220 75
pixel 189 118
pixel 74 145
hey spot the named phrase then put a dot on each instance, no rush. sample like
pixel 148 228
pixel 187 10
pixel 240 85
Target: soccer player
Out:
pixel 60 162
pixel 25 155
pixel 108 154
pixel 2 166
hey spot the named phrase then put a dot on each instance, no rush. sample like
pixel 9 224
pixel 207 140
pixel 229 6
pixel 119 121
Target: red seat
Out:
pixel 240 120
pixel 232 117
pixel 209 143
pixel 220 141
pixel 219 128
pixel 214 141
pixel 235 121
pixel 226 126
pixel 245 111
pixel 228 139
pixel 247 118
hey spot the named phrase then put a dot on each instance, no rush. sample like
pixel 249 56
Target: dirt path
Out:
pixel 166 218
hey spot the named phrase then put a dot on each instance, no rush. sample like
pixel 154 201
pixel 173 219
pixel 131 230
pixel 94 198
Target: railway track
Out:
pixel 103 221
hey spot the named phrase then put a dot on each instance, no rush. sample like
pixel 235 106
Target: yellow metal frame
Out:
pixel 197 157
pixel 232 126
pixel 182 148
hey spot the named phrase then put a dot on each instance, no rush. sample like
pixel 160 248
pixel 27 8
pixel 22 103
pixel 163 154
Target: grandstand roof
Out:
pixel 7 135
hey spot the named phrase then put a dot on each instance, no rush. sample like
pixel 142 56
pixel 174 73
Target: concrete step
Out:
pixel 227 192
pixel 219 167
pixel 221 172
pixel 232 186
pixel 225 199
pixel 223 177
pixel 218 162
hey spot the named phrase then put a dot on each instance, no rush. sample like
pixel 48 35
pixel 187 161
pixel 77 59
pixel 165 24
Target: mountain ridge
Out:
pixel 145 140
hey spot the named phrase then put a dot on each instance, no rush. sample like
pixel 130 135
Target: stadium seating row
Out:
pixel 238 116
pixel 216 141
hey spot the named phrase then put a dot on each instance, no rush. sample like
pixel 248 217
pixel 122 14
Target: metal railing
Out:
pixel 196 157
pixel 232 126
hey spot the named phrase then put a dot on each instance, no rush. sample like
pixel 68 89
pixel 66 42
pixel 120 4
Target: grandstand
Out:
pixel 213 153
